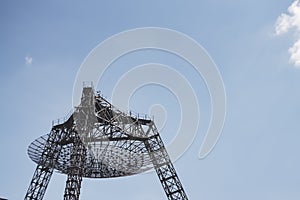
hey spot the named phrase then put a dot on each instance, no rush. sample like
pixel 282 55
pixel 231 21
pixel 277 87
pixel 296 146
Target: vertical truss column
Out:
pixel 76 170
pixel 164 168
pixel 39 183
pixel 44 170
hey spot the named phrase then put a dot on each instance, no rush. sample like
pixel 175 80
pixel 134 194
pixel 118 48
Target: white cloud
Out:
pixel 28 60
pixel 283 24
pixel 287 22
pixel 295 53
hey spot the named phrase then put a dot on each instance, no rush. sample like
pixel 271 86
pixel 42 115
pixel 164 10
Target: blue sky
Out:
pixel 257 156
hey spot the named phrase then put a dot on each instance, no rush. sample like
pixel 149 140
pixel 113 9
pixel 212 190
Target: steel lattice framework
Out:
pixel 99 141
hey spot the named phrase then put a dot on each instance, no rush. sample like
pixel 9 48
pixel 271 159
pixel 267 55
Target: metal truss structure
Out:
pixel 99 141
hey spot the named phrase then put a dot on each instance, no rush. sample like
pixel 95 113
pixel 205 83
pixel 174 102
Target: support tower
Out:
pixel 99 141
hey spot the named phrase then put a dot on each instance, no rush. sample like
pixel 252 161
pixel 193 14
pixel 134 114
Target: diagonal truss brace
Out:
pixel 44 169
pixel 164 167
